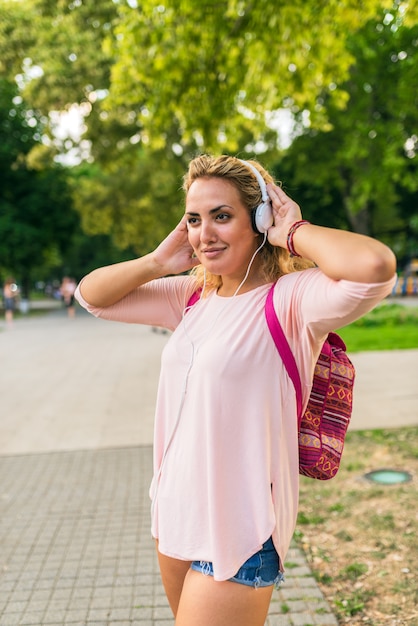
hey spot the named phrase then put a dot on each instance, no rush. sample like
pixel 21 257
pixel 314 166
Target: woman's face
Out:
pixel 220 230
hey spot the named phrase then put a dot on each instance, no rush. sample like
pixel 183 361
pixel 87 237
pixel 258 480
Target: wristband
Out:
pixel 290 234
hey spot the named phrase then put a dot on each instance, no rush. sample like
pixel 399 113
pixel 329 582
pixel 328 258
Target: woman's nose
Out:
pixel 207 231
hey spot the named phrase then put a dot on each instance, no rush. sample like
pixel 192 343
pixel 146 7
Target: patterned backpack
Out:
pixel 323 425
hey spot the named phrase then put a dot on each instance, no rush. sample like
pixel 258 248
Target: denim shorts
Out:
pixel 260 570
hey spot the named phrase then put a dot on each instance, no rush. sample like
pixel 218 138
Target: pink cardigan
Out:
pixel 225 447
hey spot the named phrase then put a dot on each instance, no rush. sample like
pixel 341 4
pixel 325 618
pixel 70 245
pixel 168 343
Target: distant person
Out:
pixel 67 289
pixel 10 295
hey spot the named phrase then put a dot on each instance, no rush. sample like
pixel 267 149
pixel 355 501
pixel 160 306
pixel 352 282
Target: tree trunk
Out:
pixel 359 221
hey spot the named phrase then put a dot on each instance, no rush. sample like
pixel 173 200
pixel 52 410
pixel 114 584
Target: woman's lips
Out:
pixel 212 253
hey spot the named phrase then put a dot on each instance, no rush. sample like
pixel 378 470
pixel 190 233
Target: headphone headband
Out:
pixel 260 180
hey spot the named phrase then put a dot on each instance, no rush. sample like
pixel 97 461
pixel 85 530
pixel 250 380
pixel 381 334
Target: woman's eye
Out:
pixel 222 217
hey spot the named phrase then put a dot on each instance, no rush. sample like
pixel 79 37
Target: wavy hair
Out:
pixel 274 261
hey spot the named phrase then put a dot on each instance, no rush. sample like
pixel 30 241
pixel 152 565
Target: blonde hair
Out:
pixel 275 261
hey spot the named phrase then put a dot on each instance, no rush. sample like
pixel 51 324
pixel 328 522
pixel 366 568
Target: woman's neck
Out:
pixel 230 285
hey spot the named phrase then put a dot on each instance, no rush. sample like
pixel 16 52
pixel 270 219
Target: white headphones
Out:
pixel 262 216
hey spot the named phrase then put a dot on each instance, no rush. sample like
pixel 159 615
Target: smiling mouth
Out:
pixel 211 252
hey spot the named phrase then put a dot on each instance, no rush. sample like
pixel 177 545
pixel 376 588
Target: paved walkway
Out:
pixel 77 399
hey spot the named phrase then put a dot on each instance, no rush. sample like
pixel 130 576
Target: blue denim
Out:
pixel 260 570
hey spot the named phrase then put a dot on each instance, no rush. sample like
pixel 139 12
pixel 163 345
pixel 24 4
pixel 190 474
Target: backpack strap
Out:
pixel 283 348
pixel 195 297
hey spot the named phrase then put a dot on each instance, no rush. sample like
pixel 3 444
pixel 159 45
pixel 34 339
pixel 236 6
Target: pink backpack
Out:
pixel 324 423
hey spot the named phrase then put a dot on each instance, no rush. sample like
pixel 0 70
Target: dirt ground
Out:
pixel 360 538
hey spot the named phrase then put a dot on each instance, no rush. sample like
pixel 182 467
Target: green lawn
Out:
pixel 388 327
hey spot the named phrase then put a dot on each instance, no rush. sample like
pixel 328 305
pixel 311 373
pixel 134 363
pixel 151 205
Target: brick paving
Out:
pixel 76 548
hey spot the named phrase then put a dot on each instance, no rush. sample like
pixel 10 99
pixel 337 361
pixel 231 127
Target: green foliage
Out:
pixel 337 174
pixel 361 172
pixel 385 521
pixel 36 216
pixel 394 338
pixel 388 327
pixel 62 40
pixel 213 70
pixel 344 536
pixel 389 314
pixel 17 36
pixel 354 571
pixel 303 518
pixel 136 203
pixel 403 441
pixel 324 579
pixel 20 127
pixel 353 603
pixel 158 82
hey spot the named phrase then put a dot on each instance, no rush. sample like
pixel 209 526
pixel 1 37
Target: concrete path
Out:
pixel 70 384
pixel 76 421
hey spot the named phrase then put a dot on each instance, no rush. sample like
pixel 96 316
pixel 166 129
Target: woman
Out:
pixel 225 487
pixel 67 291
pixel 10 295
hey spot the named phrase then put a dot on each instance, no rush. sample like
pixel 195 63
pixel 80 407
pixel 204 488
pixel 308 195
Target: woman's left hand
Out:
pixel 340 254
pixel 285 213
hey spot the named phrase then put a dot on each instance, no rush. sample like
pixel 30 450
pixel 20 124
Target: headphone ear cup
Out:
pixel 254 221
pixel 263 218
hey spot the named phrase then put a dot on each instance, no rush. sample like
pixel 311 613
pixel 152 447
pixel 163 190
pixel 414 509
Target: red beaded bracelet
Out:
pixel 289 241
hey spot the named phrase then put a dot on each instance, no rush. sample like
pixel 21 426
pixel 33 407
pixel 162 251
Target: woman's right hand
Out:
pixel 107 285
pixel 175 254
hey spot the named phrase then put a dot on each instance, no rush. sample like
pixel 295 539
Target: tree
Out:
pixel 183 74
pixel 54 48
pixel 214 70
pixel 136 203
pixel 367 162
pixel 161 80
pixel 36 215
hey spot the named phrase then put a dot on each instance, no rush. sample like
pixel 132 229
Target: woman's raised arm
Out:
pixel 107 285
pixel 339 254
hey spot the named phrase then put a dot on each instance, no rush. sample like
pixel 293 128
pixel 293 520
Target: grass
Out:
pixel 388 327
pixel 360 537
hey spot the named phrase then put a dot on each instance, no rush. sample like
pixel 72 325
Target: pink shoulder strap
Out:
pixel 283 348
pixel 193 298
